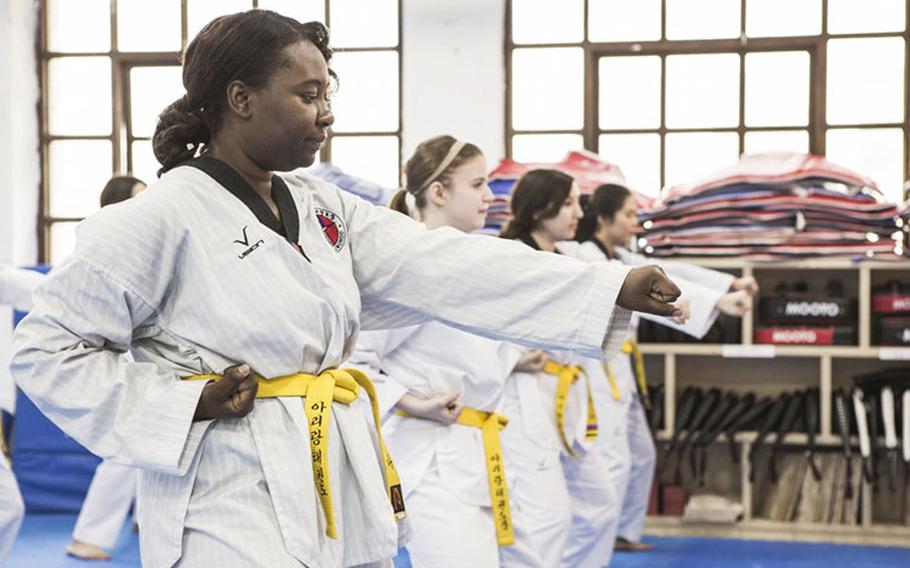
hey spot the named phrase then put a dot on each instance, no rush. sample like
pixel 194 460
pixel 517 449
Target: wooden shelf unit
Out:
pixel 724 366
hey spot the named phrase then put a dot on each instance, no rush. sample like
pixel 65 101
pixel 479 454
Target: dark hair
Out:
pixel 538 195
pixel 117 189
pixel 606 201
pixel 428 155
pixel 247 46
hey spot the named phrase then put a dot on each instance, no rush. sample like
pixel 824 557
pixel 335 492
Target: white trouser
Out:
pixel 106 504
pixel 447 532
pixel 12 509
pixel 595 511
pixel 630 456
pixel 541 514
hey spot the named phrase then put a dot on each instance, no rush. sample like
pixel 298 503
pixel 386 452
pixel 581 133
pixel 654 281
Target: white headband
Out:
pixel 453 151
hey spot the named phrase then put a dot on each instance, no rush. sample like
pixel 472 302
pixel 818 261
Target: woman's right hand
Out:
pixel 532 361
pixel 231 397
pixel 443 408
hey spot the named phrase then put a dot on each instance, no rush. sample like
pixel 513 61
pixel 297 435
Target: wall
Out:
pixel 454 73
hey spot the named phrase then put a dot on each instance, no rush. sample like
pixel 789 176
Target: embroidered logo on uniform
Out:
pixel 246 242
pixel 332 227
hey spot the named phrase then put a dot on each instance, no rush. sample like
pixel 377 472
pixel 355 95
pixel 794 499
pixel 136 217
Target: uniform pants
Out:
pixel 11 509
pixel 631 456
pixel 447 532
pixel 106 504
pixel 595 511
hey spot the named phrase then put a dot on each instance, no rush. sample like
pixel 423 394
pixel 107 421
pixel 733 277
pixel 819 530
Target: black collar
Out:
pixel 527 239
pixel 602 248
pixel 288 226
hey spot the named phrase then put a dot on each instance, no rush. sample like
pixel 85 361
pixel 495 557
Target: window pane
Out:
pixel 364 23
pixel 152 89
pixel 300 10
pixel 851 16
pixel 79 95
pixel 803 17
pixel 877 153
pixel 367 100
pixel 78 26
pixel 702 90
pixel 62 240
pixel 620 20
pixel 693 155
pixel 548 100
pixel 148 26
pixel 703 19
pixel 201 12
pixel 373 158
pixel 145 165
pixel 638 156
pixel 629 92
pixel 865 80
pixel 545 148
pixel 777 88
pixel 777 141
pixel 540 21
pixel 78 171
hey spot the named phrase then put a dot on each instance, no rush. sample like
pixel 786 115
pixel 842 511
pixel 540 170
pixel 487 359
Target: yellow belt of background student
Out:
pixel 490 423
pixel 567 375
pixel 631 348
pixel 338 385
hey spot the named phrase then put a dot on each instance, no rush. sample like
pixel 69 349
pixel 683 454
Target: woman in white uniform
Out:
pixel 445 385
pixel 609 224
pixel 563 497
pixel 239 291
pixel 113 488
pixel 16 285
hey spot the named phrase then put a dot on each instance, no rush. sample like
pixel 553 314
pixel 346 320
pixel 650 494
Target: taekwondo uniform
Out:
pixel 195 275
pixel 16 287
pixel 626 440
pixel 446 470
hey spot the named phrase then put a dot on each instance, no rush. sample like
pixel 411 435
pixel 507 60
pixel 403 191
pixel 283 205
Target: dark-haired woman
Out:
pixel 240 291
pixel 564 504
pixel 609 225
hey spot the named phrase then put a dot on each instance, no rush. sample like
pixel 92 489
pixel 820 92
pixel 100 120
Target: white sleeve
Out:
pixel 69 354
pixel 16 286
pixel 371 348
pixel 703 310
pixel 480 284
pixel 707 277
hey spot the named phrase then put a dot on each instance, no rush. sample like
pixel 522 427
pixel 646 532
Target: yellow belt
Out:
pixel 568 375
pixel 631 348
pixel 338 385
pixel 490 424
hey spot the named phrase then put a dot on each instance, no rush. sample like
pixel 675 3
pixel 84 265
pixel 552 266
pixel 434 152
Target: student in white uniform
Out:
pixel 113 488
pixel 609 224
pixel 562 493
pixel 445 385
pixel 16 285
pixel 239 291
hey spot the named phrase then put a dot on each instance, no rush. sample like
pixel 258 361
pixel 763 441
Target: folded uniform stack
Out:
pixel 775 205
pixel 588 170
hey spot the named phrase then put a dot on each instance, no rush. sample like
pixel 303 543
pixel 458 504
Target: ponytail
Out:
pixel 179 134
pixel 399 202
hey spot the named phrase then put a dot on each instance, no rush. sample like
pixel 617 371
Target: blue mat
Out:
pixel 44 537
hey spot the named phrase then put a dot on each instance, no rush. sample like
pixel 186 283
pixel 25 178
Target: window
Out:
pixel 669 94
pixel 110 66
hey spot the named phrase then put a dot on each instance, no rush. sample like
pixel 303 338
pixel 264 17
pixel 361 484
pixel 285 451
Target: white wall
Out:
pixel 454 73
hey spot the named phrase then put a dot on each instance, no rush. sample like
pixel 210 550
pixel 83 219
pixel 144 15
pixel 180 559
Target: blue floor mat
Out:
pixel 43 538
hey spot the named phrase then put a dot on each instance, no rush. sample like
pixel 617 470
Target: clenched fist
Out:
pixel 648 289
pixel 231 397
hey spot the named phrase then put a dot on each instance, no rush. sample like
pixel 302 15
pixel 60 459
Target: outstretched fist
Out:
pixel 648 289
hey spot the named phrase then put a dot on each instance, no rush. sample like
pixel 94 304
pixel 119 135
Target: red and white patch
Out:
pixel 332 227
